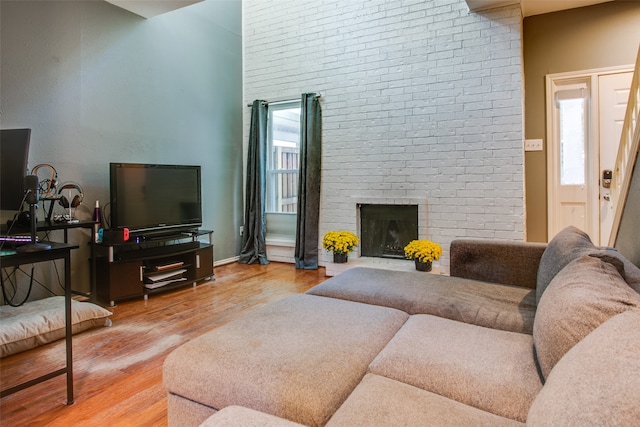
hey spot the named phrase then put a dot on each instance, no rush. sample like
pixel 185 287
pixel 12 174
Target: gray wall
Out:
pixel 599 36
pixel 98 84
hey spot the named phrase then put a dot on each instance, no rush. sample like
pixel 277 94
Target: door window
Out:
pixel 572 141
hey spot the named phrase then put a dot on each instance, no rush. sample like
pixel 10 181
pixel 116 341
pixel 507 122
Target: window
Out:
pixel 572 111
pixel 283 154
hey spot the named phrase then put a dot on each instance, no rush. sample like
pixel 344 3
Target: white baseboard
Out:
pixel 226 261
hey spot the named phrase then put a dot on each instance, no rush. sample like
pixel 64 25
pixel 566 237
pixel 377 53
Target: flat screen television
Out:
pixel 14 154
pixel 154 198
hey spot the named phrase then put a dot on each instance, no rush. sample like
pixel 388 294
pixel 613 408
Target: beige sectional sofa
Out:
pixel 519 333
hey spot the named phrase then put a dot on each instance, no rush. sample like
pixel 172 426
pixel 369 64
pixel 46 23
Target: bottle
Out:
pixel 97 218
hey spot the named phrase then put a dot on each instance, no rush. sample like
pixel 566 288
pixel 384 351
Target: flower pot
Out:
pixel 423 266
pixel 340 258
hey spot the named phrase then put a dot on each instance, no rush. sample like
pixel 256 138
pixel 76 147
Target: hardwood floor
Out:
pixel 118 369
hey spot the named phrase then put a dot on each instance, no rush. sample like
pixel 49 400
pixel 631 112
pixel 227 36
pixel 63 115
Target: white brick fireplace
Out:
pixel 357 260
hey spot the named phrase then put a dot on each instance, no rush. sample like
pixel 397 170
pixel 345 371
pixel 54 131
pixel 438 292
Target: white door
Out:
pixel 613 96
pixel 582 108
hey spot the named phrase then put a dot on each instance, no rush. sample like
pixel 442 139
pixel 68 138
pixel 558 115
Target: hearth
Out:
pixel 386 229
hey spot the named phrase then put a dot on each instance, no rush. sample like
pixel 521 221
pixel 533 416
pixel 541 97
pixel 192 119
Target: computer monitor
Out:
pixel 14 155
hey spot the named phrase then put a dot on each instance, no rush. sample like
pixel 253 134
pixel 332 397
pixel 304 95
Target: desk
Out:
pixel 49 226
pixel 65 226
pixel 46 226
pixel 52 226
pixel 10 258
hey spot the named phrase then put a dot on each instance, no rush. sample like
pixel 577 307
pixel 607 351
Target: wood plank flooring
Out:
pixel 118 369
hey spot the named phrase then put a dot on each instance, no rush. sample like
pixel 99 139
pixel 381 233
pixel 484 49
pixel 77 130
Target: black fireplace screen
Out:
pixel 386 229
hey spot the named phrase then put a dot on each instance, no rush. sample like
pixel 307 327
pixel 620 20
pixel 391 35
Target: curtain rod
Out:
pixel 318 95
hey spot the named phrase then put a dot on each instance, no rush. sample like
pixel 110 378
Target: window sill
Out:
pixel 280 240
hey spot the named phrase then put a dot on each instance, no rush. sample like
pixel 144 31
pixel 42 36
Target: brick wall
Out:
pixel 421 100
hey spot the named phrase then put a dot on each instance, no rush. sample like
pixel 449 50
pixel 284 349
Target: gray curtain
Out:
pixel 254 248
pixel 306 253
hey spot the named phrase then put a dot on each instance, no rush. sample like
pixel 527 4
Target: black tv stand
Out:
pixel 158 263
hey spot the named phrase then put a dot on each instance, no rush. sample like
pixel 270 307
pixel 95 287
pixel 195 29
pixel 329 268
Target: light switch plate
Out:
pixel 532 145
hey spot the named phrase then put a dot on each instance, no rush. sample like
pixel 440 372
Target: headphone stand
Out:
pixel 52 201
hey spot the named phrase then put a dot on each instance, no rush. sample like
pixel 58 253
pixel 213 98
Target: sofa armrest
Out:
pixel 497 261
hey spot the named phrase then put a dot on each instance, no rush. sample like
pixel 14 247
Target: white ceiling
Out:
pixel 533 7
pixel 537 7
pixel 151 8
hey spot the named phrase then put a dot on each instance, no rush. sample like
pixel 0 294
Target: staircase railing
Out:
pixel 627 152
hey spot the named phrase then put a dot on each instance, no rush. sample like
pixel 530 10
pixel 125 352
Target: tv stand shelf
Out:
pixel 143 266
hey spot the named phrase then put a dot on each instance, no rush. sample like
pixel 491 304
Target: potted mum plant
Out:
pixel 423 252
pixel 341 243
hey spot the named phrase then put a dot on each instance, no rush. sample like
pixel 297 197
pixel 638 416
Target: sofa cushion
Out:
pixel 380 401
pixel 597 382
pixel 186 412
pixel 298 358
pixel 485 368
pixel 239 416
pixel 510 308
pixel 510 262
pixel 569 245
pixel 631 274
pixel 580 298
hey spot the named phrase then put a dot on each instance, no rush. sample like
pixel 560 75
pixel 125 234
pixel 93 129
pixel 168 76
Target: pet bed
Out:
pixel 42 321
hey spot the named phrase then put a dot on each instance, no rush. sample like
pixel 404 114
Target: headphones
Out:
pixel 47 186
pixel 77 199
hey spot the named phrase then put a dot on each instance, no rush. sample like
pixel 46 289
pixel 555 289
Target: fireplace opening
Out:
pixel 386 229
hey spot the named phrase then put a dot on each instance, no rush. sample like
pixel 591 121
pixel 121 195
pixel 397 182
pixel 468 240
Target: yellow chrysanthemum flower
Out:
pixel 340 242
pixel 423 250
